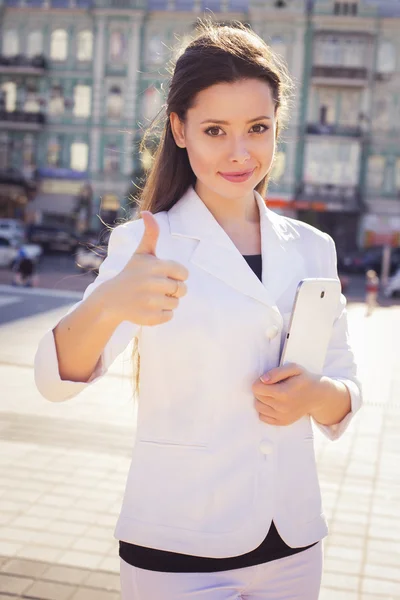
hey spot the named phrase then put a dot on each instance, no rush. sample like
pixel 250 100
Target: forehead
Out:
pixel 240 100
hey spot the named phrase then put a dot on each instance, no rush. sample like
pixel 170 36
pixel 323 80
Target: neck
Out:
pixel 230 212
pixel 238 217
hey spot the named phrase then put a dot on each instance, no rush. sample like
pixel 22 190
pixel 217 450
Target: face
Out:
pixel 229 135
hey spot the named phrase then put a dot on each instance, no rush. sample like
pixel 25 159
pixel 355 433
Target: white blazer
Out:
pixel 207 476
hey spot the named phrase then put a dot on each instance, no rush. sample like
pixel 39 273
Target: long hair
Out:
pixel 218 54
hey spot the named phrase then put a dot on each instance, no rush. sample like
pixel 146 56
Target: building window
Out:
pixel 345 7
pixel 59 45
pixel 327 106
pixel 4 151
pixel 353 53
pixel 85 46
pixel 350 108
pixel 278 46
pixel 10 43
pixel 53 153
pixel 397 175
pixel 79 156
pixel 9 92
pixel 376 171
pixel 155 49
pixel 111 159
pixel 28 153
pixel 114 103
pixel 117 47
pixel 56 102
pixel 386 57
pixel 152 102
pixel 31 103
pixel 34 44
pixel 82 100
pixel 278 167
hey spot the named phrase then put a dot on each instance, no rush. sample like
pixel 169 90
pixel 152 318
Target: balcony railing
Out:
pixel 342 130
pixel 19 119
pixel 340 72
pixel 23 64
pixel 345 196
pixel 49 3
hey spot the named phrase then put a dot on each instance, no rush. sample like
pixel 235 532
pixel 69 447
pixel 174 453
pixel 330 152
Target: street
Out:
pixel 63 466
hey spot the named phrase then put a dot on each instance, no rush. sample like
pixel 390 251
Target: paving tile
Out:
pixel 103 581
pixel 91 545
pixel 26 568
pixel 70 575
pixel 85 560
pixel 381 586
pixel 390 572
pixel 90 594
pixel 47 590
pixel 9 548
pixel 110 563
pixel 67 527
pixel 41 553
pixel 335 594
pixel 342 581
pixel 14 585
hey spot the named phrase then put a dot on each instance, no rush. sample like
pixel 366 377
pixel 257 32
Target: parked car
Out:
pixel 9 252
pixel 361 261
pixel 12 230
pixel 52 238
pixel 392 288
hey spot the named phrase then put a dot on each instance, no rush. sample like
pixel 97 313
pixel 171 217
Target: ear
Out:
pixel 178 130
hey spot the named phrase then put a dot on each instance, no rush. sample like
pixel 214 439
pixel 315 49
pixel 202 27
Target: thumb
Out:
pixel 149 240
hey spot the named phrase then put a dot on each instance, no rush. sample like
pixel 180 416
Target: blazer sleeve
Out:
pixel 340 362
pixel 47 378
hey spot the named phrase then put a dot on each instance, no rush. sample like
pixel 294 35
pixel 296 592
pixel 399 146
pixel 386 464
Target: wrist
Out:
pixel 104 306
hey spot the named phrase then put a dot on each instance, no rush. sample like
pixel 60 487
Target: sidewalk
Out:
pixel 63 469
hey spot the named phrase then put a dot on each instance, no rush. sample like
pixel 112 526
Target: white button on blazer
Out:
pixel 207 476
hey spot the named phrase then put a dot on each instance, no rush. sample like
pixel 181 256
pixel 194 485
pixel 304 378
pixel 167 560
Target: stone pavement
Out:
pixel 63 468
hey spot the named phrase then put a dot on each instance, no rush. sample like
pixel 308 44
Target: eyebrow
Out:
pixel 219 122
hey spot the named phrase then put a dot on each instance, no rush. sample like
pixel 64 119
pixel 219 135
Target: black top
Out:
pixel 271 548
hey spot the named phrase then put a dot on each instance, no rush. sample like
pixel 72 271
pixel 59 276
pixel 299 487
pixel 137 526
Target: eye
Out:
pixel 260 128
pixel 213 131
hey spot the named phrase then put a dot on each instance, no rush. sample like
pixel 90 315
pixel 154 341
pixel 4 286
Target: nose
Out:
pixel 239 152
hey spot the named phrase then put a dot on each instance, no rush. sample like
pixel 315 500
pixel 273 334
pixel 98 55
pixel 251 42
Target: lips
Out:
pixel 238 176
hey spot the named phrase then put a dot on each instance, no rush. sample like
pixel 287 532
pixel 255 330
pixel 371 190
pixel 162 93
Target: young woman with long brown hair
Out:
pixel 222 499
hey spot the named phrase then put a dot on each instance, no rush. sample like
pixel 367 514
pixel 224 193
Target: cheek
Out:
pixel 202 156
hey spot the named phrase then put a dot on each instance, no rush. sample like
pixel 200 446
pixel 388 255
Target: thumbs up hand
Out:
pixel 147 290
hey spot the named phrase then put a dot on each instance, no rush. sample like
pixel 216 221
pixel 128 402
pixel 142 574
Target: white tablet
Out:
pixel 310 328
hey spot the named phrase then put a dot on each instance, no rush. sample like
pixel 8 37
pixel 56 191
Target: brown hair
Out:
pixel 218 54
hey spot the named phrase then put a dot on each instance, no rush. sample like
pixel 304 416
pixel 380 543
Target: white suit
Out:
pixel 207 476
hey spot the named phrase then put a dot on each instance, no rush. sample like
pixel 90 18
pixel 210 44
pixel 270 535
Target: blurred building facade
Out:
pixel 80 79
pixel 348 169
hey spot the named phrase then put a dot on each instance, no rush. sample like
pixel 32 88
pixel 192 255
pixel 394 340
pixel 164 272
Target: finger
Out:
pixel 265 409
pixel 171 269
pixel 170 303
pixel 169 287
pixel 281 373
pixel 149 240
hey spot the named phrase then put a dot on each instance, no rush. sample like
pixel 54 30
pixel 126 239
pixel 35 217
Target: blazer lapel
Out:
pixel 217 254
pixel 283 264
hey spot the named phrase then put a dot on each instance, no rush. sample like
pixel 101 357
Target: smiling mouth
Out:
pixel 238 176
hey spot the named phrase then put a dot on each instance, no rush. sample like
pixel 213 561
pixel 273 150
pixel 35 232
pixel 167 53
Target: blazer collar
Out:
pixel 217 254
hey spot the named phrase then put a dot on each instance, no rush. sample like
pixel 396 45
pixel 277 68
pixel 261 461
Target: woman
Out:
pixel 222 499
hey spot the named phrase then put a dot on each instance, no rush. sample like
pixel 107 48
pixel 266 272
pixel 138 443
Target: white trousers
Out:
pixel 296 577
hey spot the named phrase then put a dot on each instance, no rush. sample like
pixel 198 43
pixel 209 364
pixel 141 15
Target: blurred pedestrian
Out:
pixel 222 499
pixel 24 270
pixel 371 291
